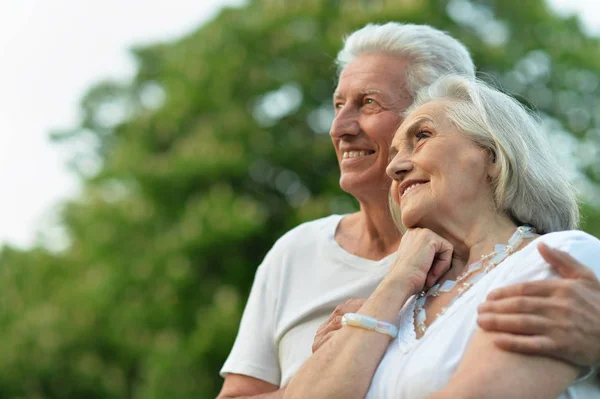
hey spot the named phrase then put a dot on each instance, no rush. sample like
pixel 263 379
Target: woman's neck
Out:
pixel 476 239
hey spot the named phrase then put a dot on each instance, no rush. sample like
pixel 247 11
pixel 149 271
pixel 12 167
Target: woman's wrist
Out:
pixel 404 282
pixel 387 300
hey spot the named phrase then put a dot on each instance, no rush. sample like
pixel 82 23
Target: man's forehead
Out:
pixel 357 90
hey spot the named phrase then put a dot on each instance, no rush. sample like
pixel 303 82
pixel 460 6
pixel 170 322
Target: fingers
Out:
pixel 350 306
pixel 522 305
pixel 439 268
pixel 325 332
pixel 444 252
pixel 542 288
pixel 442 261
pixel 526 344
pixel 334 322
pixel 322 341
pixel 517 323
pixel 564 264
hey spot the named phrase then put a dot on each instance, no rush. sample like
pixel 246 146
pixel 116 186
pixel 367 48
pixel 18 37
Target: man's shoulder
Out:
pixel 310 231
pixel 302 243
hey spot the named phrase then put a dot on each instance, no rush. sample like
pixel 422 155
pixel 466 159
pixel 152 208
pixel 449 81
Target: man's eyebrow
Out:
pixel 363 92
pixel 370 91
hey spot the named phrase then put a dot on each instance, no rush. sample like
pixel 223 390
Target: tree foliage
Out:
pixel 217 147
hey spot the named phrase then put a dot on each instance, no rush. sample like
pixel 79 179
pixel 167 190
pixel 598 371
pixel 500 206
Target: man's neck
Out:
pixel 369 233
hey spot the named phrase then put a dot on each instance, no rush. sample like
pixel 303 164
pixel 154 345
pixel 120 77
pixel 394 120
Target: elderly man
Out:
pixel 321 264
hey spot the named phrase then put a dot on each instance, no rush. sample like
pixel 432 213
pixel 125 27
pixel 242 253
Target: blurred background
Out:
pixel 151 152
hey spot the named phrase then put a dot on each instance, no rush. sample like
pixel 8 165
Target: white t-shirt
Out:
pixel 300 282
pixel 414 368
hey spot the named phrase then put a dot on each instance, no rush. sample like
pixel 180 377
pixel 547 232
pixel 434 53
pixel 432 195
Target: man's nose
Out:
pixel 345 123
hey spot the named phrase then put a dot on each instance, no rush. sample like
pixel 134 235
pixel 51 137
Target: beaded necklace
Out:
pixel 495 257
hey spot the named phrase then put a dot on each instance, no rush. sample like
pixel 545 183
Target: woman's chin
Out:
pixel 408 223
pixel 411 219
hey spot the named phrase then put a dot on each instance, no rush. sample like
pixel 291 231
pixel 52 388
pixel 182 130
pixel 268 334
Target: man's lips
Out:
pixel 349 154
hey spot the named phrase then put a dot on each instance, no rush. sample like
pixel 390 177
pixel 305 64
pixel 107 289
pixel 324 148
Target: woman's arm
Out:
pixel 344 366
pixel 488 372
pixel 528 313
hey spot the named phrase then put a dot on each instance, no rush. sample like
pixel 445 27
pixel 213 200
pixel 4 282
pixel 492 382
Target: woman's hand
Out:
pixel 423 257
pixel 334 323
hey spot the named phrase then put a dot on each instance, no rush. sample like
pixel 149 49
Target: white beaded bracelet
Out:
pixel 369 323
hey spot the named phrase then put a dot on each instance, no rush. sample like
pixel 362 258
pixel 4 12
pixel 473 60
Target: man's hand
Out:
pixel 559 318
pixel 334 323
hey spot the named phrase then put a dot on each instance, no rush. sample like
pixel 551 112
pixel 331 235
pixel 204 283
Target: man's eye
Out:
pixel 338 105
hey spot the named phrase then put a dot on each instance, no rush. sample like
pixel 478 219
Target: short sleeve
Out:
pixel 531 266
pixel 254 352
pixel 581 246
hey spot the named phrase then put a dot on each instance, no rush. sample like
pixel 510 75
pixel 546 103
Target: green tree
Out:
pixel 216 148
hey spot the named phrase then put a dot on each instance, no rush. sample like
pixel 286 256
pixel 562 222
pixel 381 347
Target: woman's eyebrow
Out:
pixel 415 126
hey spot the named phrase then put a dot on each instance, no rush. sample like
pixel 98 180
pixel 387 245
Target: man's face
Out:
pixel 369 101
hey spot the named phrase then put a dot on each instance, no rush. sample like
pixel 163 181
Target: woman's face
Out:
pixel 438 172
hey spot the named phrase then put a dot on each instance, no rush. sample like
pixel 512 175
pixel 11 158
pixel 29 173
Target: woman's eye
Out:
pixel 422 135
pixel 368 101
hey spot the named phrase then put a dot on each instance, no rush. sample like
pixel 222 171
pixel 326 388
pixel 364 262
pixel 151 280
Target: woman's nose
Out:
pixel 398 167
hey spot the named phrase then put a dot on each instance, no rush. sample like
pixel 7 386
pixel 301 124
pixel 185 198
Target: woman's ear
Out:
pixel 492 167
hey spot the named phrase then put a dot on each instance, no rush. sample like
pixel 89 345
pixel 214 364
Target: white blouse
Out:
pixel 414 369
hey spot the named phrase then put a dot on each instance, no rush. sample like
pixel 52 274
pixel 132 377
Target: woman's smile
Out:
pixel 411 188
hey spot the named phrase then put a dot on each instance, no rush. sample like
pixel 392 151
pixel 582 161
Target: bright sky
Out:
pixel 50 52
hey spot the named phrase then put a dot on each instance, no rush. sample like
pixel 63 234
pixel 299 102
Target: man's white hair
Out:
pixel 431 53
pixel 530 185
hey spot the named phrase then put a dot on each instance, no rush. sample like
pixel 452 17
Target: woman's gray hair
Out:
pixel 431 53
pixel 530 186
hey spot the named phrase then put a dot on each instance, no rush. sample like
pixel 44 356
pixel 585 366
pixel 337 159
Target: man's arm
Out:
pixel 241 386
pixel 252 367
pixel 558 318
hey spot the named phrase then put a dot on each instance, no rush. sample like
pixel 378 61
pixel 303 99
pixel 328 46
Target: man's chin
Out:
pixel 357 184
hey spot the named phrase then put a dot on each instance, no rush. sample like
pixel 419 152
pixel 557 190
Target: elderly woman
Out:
pixel 482 200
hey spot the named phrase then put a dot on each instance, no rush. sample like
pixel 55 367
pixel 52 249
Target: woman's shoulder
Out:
pixel 582 246
pixel 569 238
